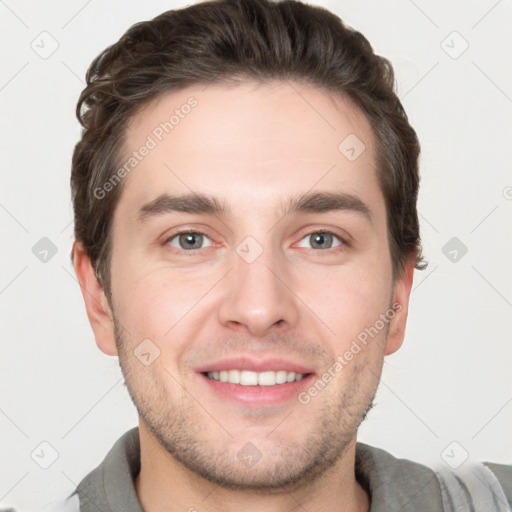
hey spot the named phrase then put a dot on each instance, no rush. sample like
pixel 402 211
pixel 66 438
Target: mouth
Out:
pixel 256 389
pixel 250 378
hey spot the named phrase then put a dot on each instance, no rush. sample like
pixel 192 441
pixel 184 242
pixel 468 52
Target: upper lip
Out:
pixel 254 365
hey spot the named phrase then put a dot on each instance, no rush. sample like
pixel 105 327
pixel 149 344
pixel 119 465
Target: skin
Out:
pixel 253 146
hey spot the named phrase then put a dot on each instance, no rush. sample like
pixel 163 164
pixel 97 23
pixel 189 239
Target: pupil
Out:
pixel 188 239
pixel 320 238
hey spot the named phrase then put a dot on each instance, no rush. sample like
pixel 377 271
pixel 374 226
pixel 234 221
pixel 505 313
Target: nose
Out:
pixel 257 296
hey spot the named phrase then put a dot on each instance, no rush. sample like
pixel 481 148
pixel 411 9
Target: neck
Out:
pixel 164 484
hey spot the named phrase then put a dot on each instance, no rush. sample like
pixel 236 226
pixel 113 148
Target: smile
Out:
pixel 249 378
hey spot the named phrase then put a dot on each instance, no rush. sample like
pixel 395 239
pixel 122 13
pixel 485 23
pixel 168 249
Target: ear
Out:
pixel 400 304
pixel 96 304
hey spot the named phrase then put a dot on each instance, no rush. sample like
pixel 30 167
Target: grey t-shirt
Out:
pixel 394 485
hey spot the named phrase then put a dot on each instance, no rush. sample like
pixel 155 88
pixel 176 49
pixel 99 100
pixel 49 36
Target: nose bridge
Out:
pixel 255 294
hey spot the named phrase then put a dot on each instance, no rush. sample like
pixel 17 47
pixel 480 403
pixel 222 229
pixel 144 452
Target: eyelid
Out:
pixel 184 231
pixel 340 243
pixel 343 236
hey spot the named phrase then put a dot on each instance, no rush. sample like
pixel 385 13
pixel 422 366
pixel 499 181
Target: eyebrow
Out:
pixel 312 202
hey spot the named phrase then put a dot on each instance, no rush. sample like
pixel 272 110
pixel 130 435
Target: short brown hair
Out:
pixel 225 41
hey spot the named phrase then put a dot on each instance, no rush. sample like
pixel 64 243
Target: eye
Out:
pixel 323 240
pixel 188 240
pixel 193 240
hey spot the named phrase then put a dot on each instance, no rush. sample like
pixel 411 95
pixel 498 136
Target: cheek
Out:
pixel 348 300
pixel 152 307
pixel 160 305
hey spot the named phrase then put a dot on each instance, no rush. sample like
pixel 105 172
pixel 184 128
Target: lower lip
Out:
pixel 258 395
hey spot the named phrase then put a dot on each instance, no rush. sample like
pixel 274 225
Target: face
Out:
pixel 288 279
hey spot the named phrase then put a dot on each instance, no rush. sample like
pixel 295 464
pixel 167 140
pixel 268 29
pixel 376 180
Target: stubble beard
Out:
pixel 282 467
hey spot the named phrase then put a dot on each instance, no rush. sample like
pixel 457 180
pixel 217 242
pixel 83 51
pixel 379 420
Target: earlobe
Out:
pixel 96 303
pixel 400 305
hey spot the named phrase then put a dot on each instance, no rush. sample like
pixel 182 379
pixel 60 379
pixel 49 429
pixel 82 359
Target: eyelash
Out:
pixel 344 244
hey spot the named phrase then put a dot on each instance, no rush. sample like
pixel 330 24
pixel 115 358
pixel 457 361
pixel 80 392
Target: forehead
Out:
pixel 249 144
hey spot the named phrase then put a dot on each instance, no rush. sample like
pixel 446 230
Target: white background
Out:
pixel 451 381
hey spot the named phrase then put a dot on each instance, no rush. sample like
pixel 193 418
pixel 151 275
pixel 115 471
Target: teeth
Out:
pixel 247 378
pixel 281 377
pixel 234 376
pixel 267 378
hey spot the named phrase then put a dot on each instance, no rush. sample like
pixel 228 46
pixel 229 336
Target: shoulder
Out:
pixel 396 484
pixel 503 474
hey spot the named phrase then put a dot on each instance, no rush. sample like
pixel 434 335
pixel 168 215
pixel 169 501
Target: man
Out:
pixel 246 233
